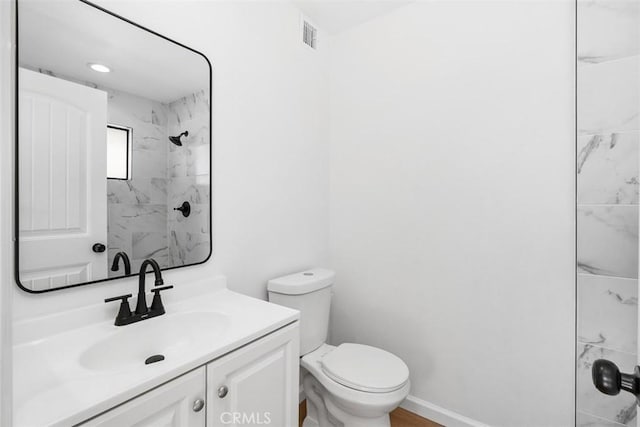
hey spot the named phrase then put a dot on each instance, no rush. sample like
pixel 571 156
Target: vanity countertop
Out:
pixel 67 377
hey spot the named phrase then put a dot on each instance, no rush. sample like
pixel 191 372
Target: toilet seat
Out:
pixel 365 368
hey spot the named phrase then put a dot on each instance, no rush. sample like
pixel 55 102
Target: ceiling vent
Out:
pixel 309 34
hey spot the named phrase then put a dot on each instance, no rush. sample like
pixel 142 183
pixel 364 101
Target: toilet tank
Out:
pixel 310 293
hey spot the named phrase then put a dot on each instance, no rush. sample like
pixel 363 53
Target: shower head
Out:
pixel 176 139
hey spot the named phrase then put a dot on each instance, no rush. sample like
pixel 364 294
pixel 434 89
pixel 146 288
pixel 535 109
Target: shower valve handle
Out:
pixel 185 208
pixel 609 380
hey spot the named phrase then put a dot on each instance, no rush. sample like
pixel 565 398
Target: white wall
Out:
pixel 7 119
pixel 452 203
pixel 270 153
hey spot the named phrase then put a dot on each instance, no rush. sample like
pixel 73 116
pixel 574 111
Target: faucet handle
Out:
pixel 121 297
pixel 125 311
pixel 156 304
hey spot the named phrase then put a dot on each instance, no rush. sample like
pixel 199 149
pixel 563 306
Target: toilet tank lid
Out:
pixel 303 282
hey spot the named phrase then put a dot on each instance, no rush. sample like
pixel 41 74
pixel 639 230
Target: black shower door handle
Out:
pixel 609 380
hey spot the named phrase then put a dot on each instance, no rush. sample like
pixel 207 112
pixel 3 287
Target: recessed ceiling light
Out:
pixel 99 68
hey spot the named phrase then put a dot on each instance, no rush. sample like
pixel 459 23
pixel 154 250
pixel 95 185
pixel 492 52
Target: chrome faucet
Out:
pixel 125 317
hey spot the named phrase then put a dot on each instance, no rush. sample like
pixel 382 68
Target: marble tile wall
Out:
pixel 188 170
pixel 138 207
pixel 608 119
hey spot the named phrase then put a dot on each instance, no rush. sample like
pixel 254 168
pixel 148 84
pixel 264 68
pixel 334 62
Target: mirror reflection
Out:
pixel 113 147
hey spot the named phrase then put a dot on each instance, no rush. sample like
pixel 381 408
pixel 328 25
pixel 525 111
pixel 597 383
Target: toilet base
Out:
pixel 311 420
pixel 322 412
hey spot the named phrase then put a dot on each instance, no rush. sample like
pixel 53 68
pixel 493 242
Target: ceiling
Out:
pixel 63 36
pixel 336 16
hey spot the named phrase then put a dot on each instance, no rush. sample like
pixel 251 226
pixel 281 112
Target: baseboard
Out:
pixel 437 414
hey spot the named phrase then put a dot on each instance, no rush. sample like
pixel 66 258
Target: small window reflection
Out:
pixel 119 144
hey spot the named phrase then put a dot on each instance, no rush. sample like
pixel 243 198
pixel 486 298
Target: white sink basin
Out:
pixel 174 336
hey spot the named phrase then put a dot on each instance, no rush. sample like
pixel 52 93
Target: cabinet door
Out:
pixel 170 405
pixel 256 385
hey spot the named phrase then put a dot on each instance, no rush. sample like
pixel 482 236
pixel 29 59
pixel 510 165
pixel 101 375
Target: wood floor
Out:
pixel 403 418
pixel 399 418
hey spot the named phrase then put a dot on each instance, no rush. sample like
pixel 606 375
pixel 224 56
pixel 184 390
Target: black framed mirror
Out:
pixel 114 139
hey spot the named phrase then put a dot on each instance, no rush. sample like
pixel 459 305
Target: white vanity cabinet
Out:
pixel 254 385
pixel 170 405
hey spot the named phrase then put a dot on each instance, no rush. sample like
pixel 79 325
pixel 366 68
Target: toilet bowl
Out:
pixel 349 385
pixel 352 397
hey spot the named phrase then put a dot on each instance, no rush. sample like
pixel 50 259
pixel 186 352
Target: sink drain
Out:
pixel 153 359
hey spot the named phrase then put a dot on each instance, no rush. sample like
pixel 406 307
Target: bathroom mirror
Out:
pixel 113 147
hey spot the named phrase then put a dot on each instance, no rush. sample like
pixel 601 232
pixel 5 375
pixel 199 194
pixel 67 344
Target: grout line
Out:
pixel 600 418
pixel 606 205
pixel 607 348
pixel 580 274
pixel 584 64
pixel 609 132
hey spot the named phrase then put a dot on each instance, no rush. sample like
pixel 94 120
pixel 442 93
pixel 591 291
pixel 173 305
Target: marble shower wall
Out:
pixel 138 207
pixel 608 94
pixel 189 179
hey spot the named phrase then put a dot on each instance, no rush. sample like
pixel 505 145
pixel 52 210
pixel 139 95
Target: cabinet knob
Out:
pixel 198 405
pixel 222 391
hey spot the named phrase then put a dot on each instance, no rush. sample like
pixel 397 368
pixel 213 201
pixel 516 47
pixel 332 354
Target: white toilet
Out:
pixel 351 385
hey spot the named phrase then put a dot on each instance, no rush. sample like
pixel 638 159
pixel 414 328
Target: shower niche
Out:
pixel 113 147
